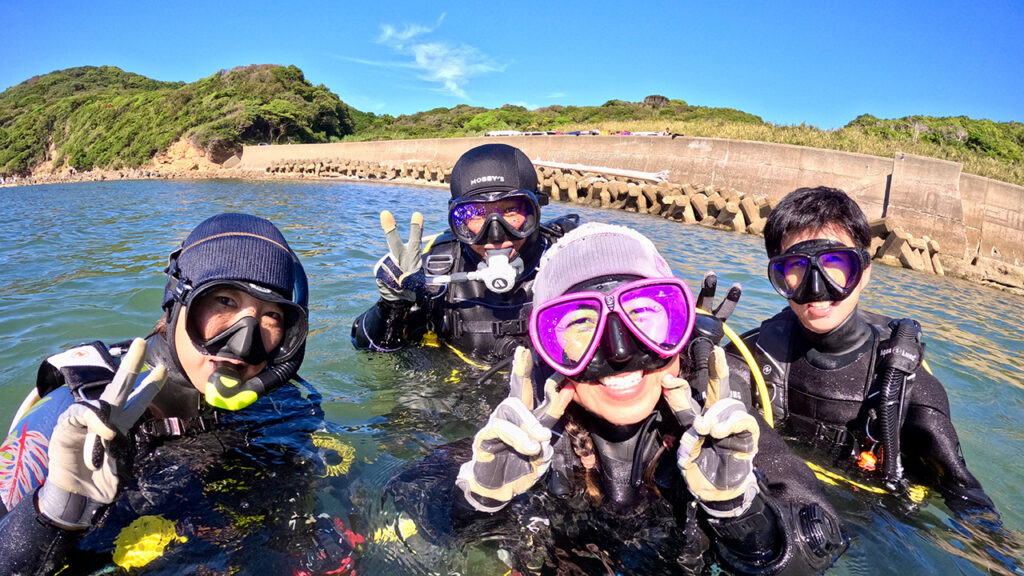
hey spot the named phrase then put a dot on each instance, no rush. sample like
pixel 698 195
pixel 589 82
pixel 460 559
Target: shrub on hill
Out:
pixel 104 117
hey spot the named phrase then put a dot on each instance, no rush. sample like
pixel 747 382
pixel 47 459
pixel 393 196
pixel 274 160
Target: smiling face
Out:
pixel 214 312
pixel 823 317
pixel 625 398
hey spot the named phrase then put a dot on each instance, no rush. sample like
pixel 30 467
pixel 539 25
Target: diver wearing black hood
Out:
pixel 170 421
pixel 849 382
pixel 471 286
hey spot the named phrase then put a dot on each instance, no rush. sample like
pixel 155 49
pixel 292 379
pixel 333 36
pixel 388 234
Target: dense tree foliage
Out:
pixel 107 118
pixel 998 140
pixel 465 120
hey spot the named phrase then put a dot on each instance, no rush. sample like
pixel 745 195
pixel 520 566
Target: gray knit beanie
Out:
pixel 594 250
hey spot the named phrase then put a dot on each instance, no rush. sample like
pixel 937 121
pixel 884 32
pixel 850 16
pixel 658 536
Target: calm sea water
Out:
pixel 84 261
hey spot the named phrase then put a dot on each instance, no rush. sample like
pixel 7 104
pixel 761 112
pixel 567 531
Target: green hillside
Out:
pixel 984 147
pixel 107 118
pixel 465 120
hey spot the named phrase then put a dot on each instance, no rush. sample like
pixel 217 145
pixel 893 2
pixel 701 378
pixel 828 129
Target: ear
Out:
pixel 865 276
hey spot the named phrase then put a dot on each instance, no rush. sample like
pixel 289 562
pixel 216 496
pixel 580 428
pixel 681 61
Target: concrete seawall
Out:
pixel 974 220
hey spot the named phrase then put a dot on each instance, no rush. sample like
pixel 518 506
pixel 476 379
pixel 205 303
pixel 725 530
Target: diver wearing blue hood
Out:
pixel 472 286
pixel 126 434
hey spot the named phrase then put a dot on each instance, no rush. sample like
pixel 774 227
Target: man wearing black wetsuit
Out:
pixel 849 382
pixel 471 287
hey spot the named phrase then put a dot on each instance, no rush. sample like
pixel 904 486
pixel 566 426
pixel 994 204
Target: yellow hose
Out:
pixel 755 372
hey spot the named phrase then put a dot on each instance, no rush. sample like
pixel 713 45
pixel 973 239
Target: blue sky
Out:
pixel 820 63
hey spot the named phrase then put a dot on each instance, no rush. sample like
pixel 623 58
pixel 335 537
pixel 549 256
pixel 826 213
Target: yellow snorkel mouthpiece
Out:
pixel 225 389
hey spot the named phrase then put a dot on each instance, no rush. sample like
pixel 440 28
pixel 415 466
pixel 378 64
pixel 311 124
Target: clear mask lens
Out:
pixel 243 338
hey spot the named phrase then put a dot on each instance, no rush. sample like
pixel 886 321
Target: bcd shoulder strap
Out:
pixel 83 368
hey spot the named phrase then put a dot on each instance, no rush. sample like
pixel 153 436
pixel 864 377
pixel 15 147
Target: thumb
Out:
pixel 679 398
pixel 555 401
pixel 718 377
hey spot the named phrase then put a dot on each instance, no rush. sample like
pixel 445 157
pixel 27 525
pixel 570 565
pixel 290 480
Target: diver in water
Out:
pixel 849 382
pixel 472 286
pixel 175 435
pixel 615 464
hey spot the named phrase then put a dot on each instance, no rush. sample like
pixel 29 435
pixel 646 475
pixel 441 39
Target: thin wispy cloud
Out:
pixel 449 66
pixel 526 105
pixel 391 36
pixel 556 95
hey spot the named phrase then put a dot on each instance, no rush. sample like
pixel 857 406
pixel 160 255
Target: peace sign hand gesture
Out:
pixel 82 475
pixel 399 273
pixel 514 449
pixel 716 453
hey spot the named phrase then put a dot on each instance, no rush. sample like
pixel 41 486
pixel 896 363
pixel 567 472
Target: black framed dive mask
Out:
pixel 817 271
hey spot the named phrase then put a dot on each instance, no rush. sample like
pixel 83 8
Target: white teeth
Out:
pixel 623 380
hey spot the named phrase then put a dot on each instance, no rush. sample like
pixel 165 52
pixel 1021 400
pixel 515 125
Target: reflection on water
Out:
pixel 84 261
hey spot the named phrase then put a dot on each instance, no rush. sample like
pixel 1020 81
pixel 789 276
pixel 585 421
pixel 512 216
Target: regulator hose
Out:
pixel 899 356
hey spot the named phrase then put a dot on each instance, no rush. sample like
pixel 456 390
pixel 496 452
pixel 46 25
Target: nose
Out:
pixel 618 343
pixel 495 232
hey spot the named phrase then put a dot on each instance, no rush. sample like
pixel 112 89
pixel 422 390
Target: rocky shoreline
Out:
pixel 691 204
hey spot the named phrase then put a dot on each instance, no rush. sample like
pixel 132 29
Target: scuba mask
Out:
pixel 817 271
pixel 243 340
pixel 638 325
pixel 495 218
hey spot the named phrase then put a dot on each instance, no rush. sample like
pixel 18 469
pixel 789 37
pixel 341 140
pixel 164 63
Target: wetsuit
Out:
pixel 642 526
pixel 466 315
pixel 825 391
pixel 217 481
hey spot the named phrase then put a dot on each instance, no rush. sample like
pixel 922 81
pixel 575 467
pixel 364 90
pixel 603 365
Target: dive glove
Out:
pixel 709 325
pixel 399 273
pixel 82 476
pixel 716 453
pixel 514 449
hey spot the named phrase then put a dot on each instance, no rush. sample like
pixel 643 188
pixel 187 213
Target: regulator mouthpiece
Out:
pixel 497 273
pixel 225 388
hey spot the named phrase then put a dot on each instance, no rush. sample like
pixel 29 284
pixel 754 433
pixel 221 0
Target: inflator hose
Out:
pixel 902 355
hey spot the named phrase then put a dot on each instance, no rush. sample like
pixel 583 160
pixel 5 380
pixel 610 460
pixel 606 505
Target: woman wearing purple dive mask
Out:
pixel 617 430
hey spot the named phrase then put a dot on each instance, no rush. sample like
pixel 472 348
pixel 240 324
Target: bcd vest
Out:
pixel 834 409
pixel 471 317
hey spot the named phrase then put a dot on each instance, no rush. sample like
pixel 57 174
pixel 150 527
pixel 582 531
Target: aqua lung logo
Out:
pixel 486 179
pixel 499 284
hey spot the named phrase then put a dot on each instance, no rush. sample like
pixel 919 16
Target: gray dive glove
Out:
pixel 513 449
pixel 716 453
pixel 399 273
pixel 82 476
